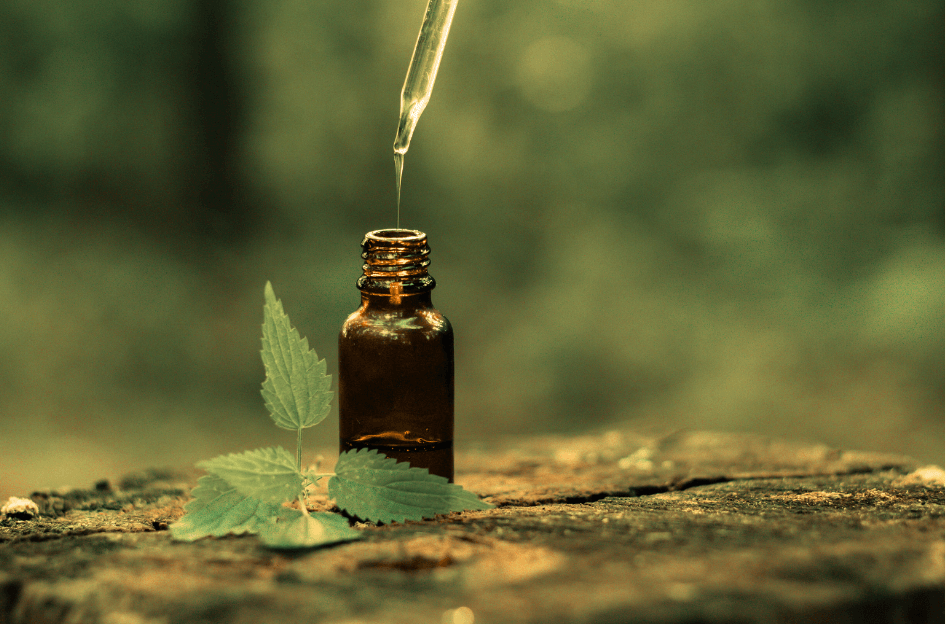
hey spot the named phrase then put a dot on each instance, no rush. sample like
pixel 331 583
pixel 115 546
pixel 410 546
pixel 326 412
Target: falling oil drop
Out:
pixel 398 170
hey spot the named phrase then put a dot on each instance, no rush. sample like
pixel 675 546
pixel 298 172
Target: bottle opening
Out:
pixel 400 235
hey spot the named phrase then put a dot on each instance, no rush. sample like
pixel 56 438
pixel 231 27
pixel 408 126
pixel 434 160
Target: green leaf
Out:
pixel 296 388
pixel 219 509
pixel 373 487
pixel 268 474
pixel 294 529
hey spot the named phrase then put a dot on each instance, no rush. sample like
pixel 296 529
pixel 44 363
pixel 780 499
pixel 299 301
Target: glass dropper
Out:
pixel 419 83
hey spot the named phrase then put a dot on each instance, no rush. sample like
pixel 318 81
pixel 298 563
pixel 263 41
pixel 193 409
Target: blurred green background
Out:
pixel 644 213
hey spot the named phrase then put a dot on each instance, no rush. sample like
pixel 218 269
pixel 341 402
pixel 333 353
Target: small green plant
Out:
pixel 247 492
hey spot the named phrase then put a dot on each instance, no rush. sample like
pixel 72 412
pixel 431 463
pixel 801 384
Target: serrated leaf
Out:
pixel 293 529
pixel 296 389
pixel 219 509
pixel 373 487
pixel 267 474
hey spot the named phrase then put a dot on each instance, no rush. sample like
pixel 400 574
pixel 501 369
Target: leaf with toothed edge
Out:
pixel 219 509
pixel 296 389
pixel 370 486
pixel 267 474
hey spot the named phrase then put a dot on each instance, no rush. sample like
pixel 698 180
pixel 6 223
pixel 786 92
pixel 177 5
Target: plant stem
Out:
pixel 303 496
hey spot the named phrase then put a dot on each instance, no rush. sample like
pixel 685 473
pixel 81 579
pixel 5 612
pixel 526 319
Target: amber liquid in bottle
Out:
pixel 395 358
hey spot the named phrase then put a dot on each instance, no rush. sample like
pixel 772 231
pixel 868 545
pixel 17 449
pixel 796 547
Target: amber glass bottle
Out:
pixel 395 358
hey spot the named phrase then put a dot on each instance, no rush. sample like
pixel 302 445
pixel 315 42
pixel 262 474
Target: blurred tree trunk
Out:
pixel 215 182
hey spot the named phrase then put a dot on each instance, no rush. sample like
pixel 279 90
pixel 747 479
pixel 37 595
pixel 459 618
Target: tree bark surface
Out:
pixel 617 527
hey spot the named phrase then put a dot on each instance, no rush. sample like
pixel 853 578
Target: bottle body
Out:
pixel 395 357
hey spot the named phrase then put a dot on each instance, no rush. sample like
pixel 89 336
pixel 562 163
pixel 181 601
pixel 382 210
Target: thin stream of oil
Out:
pixel 398 170
pixel 419 82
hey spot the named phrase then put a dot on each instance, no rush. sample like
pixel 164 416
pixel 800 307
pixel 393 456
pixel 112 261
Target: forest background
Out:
pixel 654 214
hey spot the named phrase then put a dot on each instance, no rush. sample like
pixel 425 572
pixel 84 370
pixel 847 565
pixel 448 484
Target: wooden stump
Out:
pixel 694 527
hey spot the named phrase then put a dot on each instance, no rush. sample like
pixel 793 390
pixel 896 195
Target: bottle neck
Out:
pixel 395 267
pixel 396 304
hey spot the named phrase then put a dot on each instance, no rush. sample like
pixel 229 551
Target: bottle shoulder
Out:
pixel 393 320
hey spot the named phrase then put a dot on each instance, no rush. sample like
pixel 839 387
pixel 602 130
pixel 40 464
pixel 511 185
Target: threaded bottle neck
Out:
pixel 396 263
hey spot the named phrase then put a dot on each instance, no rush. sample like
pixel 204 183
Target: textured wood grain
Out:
pixel 693 527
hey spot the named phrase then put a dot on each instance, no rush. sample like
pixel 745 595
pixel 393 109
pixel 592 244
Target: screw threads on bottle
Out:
pixel 396 263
